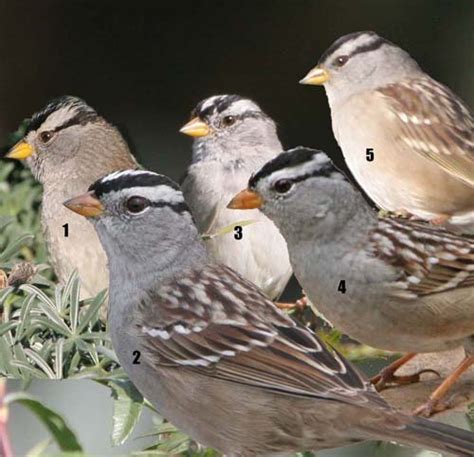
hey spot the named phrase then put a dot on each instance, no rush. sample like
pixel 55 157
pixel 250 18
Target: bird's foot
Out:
pixel 387 378
pixel 442 219
pixel 433 406
pixel 299 305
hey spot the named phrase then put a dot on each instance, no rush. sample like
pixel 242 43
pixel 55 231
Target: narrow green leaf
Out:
pixel 39 449
pixel 74 301
pixel 57 426
pixel 58 358
pixel 15 246
pixel 227 229
pixel 48 307
pixel 25 367
pixel 4 293
pixel 128 405
pixel 7 326
pixel 49 324
pixel 25 316
pixel 36 358
pixel 470 415
pixel 92 312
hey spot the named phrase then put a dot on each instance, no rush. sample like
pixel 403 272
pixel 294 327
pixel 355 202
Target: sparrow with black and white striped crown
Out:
pixel 233 137
pixel 407 139
pixel 393 284
pixel 213 354
pixel 67 145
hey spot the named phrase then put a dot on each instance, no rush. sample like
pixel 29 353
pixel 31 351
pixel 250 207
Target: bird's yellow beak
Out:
pixel 316 77
pixel 21 151
pixel 246 199
pixel 87 205
pixel 196 128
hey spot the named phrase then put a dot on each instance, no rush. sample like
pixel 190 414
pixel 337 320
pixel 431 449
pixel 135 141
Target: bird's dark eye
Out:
pixel 228 120
pixel 46 136
pixel 282 186
pixel 341 60
pixel 136 205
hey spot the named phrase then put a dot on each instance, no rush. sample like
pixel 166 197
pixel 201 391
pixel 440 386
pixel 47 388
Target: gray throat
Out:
pixel 134 272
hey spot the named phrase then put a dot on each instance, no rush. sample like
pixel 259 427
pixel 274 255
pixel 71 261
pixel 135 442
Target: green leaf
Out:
pixel 36 358
pixel 24 316
pixel 14 246
pixel 57 426
pixel 470 415
pixel 128 405
pixel 92 311
pixel 227 229
pixel 7 326
pixel 38 449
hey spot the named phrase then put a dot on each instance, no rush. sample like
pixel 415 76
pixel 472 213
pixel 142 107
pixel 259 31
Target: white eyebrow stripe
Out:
pixel 242 106
pixel 301 169
pixel 121 173
pixel 156 193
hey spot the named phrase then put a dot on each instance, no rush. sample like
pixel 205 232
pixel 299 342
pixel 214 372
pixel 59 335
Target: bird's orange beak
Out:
pixel 316 77
pixel 246 199
pixel 196 128
pixel 21 151
pixel 87 205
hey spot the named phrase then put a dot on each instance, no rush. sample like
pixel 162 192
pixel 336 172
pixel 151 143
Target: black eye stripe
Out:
pixel 374 43
pixel 179 207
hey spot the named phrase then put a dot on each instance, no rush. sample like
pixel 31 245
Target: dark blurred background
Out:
pixel 145 64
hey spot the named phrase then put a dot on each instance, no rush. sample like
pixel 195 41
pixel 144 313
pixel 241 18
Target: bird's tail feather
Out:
pixel 427 434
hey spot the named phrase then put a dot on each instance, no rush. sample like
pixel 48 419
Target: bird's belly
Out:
pixel 80 250
pixel 260 255
pixel 367 313
pixel 398 178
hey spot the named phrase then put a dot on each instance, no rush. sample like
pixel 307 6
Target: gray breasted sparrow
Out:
pixel 68 145
pixel 394 284
pixel 213 353
pixel 233 138
pixel 407 139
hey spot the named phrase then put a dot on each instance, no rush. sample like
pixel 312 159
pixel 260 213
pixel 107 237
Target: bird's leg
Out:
pixel 441 219
pixel 299 305
pixel 387 375
pixel 436 401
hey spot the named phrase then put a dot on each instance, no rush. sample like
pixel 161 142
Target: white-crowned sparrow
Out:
pixel 213 353
pixel 394 284
pixel 233 138
pixel 68 145
pixel 407 139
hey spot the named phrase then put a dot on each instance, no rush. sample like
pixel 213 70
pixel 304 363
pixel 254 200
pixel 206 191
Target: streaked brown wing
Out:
pixel 431 260
pixel 435 123
pixel 252 343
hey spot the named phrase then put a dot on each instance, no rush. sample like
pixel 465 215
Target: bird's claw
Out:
pixel 388 378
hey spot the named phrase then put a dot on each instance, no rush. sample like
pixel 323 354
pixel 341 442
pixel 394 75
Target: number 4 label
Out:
pixel 342 286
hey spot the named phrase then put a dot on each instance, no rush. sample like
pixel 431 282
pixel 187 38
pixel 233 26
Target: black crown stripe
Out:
pixel 375 43
pixel 128 180
pixel 84 113
pixel 220 104
pixel 292 158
